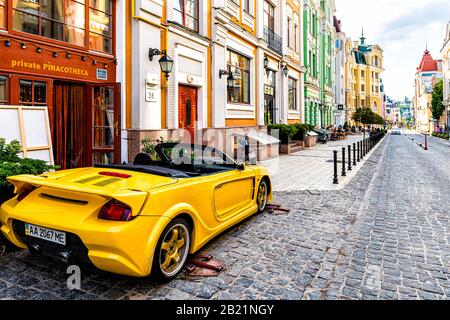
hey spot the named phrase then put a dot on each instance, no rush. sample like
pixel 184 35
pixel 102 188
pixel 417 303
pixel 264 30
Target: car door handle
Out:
pixel 219 186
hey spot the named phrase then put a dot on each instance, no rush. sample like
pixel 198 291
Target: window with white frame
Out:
pixel 239 67
pixel 248 6
pixel 269 15
pixel 292 94
pixel 296 37
pixel 186 13
pixel 289 32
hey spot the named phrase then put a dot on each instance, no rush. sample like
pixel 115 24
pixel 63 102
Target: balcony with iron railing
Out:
pixel 273 40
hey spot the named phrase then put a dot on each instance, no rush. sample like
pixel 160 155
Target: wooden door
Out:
pixel 69 125
pixel 187 109
pixel 104 112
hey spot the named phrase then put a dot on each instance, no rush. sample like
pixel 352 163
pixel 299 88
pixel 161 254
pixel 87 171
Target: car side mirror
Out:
pixel 240 166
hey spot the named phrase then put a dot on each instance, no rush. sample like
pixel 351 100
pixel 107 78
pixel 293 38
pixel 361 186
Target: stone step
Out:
pixel 296 149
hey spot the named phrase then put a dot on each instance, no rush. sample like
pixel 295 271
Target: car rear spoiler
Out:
pixel 135 199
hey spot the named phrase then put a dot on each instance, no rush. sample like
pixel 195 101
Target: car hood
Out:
pixel 131 188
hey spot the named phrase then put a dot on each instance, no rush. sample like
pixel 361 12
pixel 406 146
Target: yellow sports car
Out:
pixel 136 219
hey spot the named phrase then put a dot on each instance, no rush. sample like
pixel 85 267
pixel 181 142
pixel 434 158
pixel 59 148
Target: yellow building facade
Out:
pixel 363 73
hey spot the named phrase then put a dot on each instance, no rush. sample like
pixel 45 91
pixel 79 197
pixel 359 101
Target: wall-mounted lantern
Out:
pixel 285 70
pixel 166 63
pixel 223 73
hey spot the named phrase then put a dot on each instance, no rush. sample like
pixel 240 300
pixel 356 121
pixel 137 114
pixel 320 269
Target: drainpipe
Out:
pixel 162 26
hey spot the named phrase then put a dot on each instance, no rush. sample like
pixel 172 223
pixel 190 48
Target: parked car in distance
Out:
pixel 136 219
pixel 396 131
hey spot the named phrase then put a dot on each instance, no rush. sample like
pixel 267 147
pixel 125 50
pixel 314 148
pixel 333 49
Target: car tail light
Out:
pixel 115 174
pixel 116 211
pixel 25 193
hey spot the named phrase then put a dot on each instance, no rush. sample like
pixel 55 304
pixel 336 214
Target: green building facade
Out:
pixel 318 43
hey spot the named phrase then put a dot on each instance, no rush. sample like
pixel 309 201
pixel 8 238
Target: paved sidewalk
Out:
pixel 312 168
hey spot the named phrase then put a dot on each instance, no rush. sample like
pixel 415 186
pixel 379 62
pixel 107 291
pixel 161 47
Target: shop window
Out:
pixel 3 90
pixel 32 93
pixel 100 25
pixel 186 13
pixel 59 20
pixel 239 88
pixel 292 94
pixel 103 109
pixel 2 14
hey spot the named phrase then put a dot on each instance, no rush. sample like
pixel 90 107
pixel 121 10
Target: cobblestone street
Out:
pixel 386 235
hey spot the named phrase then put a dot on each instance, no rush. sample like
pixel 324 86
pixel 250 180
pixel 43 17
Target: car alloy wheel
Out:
pixel 261 198
pixel 174 249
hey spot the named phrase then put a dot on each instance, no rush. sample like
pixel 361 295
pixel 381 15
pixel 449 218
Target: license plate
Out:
pixel 45 234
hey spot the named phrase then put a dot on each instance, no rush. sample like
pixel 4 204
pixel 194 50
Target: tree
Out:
pixel 437 103
pixel 377 119
pixel 364 116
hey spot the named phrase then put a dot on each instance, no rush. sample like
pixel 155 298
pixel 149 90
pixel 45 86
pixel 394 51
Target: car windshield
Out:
pixel 196 155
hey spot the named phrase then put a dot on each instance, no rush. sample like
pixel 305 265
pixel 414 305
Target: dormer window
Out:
pixel 186 13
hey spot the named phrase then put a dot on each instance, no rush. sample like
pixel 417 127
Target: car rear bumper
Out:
pixel 120 247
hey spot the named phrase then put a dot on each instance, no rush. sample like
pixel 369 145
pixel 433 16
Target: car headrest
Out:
pixel 142 159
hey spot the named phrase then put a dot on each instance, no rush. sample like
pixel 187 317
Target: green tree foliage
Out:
pixel 366 116
pixel 437 103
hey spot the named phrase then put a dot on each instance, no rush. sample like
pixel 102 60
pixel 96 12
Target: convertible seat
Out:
pixel 142 159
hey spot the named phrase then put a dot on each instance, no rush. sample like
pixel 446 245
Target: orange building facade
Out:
pixel 62 55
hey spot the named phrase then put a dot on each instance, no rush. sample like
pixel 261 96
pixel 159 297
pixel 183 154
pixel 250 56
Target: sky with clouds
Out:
pixel 402 28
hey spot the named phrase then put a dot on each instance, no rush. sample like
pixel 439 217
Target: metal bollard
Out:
pixel 335 158
pixel 344 174
pixel 354 154
pixel 358 152
pixel 349 158
pixel 362 149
